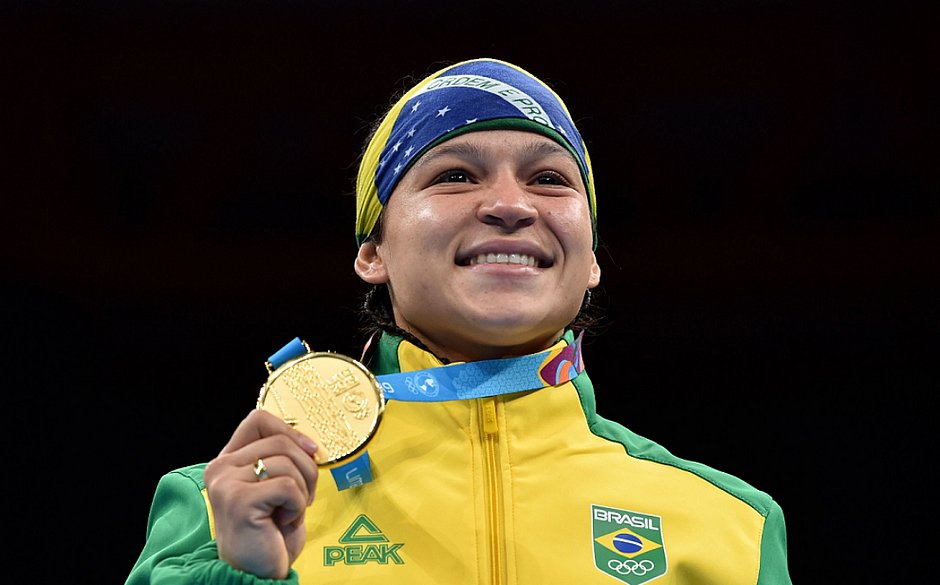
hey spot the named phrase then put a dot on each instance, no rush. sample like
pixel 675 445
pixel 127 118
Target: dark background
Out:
pixel 178 197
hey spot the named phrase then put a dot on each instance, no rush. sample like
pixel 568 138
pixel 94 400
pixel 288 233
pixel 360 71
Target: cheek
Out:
pixel 425 228
pixel 572 225
pixel 414 238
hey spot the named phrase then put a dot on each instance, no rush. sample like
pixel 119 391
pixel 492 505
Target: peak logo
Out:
pixel 628 545
pixel 363 542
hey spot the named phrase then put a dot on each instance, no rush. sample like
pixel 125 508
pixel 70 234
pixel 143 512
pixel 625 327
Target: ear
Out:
pixel 369 264
pixel 595 278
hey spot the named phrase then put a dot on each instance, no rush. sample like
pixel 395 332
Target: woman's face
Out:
pixel 486 245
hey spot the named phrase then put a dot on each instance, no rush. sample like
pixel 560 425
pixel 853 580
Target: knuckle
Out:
pixel 213 469
pixel 256 416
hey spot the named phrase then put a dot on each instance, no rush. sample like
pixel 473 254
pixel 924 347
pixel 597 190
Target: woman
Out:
pixel 476 221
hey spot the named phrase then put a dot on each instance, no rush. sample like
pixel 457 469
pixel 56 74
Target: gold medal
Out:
pixel 331 398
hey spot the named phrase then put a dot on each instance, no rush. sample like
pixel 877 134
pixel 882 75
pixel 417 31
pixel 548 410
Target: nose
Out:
pixel 507 204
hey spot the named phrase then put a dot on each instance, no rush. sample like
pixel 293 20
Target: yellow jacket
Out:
pixel 518 489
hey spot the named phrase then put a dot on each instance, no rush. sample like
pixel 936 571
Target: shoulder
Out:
pixel 640 447
pixel 181 491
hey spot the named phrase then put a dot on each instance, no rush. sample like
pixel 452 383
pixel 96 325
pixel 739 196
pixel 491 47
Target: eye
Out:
pixel 551 178
pixel 453 176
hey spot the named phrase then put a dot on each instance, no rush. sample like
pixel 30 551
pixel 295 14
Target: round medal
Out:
pixel 331 398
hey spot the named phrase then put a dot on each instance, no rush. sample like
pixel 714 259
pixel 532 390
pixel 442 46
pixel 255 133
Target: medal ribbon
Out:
pixel 467 380
pixel 459 381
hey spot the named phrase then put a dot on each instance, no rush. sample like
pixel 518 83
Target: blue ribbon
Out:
pixel 461 381
pixel 466 380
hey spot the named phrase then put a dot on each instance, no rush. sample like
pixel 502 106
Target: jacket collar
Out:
pixel 391 354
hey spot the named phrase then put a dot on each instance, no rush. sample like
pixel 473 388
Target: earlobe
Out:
pixel 595 278
pixel 369 264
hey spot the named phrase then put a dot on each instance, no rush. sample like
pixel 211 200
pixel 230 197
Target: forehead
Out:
pixel 485 146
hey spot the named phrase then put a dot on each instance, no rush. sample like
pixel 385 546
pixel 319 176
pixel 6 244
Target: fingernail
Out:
pixel 308 444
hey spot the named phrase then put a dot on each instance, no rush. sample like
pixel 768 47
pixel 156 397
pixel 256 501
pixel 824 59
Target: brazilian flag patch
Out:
pixel 628 545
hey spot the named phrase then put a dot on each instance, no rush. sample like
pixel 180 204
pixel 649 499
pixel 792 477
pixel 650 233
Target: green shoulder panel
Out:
pixel 178 505
pixel 179 548
pixel 642 448
pixel 773 545
pixel 773 550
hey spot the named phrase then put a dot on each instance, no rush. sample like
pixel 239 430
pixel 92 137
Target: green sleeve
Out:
pixel 773 549
pixel 179 548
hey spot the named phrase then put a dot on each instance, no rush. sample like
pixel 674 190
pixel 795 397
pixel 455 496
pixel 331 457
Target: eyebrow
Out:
pixel 477 154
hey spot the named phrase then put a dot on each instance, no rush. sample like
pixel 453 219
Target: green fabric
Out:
pixel 773 550
pixel 179 548
pixel 385 360
pixel 773 566
pixel 643 448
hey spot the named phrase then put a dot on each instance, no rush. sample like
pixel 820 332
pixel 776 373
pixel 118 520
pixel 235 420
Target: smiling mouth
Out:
pixel 501 258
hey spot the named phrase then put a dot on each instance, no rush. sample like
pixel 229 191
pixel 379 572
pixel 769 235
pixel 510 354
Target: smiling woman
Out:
pixel 487 246
pixel 476 213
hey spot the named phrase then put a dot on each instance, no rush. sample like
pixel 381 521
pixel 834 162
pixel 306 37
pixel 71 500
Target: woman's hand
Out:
pixel 259 521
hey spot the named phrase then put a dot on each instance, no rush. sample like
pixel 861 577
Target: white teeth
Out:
pixel 522 259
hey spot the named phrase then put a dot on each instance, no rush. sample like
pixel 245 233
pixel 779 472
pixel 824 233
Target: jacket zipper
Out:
pixel 493 499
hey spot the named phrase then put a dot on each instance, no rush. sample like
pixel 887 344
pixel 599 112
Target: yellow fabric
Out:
pixel 430 496
pixel 205 496
pixel 368 205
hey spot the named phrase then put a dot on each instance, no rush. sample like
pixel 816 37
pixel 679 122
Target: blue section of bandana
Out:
pixel 461 96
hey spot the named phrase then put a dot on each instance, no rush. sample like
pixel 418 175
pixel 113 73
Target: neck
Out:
pixel 467 350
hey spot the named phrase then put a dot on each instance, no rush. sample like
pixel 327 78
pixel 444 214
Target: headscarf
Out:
pixel 481 94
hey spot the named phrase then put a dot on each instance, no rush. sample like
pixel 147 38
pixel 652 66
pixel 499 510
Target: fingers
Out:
pixel 300 469
pixel 285 452
pixel 280 498
pixel 259 424
pixel 255 523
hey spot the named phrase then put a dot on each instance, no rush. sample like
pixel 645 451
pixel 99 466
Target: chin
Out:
pixel 513 329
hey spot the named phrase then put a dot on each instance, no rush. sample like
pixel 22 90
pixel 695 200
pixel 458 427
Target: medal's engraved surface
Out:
pixel 328 397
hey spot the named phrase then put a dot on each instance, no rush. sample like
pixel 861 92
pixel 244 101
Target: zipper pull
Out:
pixel 489 416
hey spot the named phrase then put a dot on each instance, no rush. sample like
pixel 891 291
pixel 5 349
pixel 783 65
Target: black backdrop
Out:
pixel 179 204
